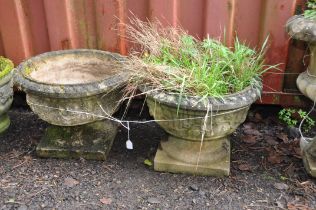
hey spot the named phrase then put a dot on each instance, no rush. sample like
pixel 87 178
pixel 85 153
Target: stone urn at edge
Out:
pixel 74 90
pixel 301 28
pixel 184 151
pixel 6 92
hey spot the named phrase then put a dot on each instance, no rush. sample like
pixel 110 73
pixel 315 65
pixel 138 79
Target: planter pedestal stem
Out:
pixel 89 141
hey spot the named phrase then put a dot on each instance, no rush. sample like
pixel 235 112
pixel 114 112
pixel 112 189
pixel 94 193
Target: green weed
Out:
pixel 310 12
pixel 292 117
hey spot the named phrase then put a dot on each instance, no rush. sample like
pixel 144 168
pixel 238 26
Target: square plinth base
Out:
pixel 310 164
pixel 91 141
pixel 163 162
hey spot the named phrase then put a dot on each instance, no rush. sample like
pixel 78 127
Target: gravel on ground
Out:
pixel 266 172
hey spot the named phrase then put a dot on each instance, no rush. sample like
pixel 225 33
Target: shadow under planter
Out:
pixel 76 91
pixel 185 151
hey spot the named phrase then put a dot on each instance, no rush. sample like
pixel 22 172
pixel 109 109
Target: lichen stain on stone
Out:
pixel 91 141
pixel 27 70
pixel 6 66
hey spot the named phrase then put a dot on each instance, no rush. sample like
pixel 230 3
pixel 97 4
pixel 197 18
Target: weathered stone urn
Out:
pixel 184 151
pixel 6 92
pixel 304 29
pixel 73 90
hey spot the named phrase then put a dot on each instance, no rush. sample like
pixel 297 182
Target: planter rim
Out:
pixel 301 28
pixel 227 102
pixel 70 90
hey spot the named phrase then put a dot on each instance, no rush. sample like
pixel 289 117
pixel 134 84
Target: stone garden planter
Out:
pixel 6 92
pixel 180 152
pixel 304 29
pixel 71 90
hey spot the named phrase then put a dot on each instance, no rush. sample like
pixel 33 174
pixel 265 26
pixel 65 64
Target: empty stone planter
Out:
pixel 72 90
pixel 304 29
pixel 181 151
pixel 6 92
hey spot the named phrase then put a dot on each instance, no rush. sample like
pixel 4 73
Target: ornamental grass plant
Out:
pixel 171 60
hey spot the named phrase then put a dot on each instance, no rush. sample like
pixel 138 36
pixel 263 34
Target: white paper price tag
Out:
pixel 129 144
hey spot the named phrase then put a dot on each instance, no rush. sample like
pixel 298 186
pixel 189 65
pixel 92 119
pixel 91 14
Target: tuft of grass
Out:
pixel 310 12
pixel 6 66
pixel 172 60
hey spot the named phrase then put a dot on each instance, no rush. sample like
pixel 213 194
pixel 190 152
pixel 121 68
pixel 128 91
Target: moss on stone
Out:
pixel 27 70
pixel 89 141
pixel 6 66
pixel 58 132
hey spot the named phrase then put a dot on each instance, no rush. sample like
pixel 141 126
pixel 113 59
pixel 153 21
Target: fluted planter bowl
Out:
pixel 74 90
pixel 6 97
pixel 298 27
pixel 184 123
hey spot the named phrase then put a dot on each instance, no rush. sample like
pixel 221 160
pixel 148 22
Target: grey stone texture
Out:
pixel 76 91
pixel 74 111
pixel 79 57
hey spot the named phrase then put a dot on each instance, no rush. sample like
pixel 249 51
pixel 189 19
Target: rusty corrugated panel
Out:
pixel 30 27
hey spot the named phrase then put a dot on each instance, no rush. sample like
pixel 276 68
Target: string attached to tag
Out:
pixel 129 143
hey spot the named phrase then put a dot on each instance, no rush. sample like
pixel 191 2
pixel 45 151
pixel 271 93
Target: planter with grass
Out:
pixel 303 27
pixel 185 151
pixel 74 90
pixel 6 92
pixel 198 91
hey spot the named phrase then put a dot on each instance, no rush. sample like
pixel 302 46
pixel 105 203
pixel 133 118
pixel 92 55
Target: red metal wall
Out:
pixel 30 27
